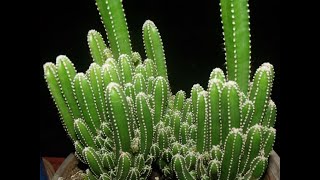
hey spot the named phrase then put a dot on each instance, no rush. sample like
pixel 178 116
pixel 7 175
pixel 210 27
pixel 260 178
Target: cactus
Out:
pixel 124 120
pixel 236 31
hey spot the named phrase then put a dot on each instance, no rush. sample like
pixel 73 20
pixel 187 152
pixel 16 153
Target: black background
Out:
pixel 192 36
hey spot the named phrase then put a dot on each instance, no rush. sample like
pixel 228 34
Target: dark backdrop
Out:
pixel 192 37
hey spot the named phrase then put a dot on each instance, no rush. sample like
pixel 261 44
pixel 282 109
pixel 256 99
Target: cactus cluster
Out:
pixel 124 120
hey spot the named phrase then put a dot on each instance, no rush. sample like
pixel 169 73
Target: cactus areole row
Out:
pixel 124 120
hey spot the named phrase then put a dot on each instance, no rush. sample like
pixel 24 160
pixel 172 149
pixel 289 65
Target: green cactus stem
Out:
pixel 129 90
pixel 214 91
pixel 134 174
pixel 257 168
pixel 144 115
pixel 176 121
pixel 84 134
pixel 160 96
pixel 184 132
pixel 154 47
pixel 269 137
pixel 232 154
pixel 270 116
pixel 236 31
pixel 96 80
pixel 108 161
pixel 150 85
pixel 78 151
pixel 110 74
pixel 202 121
pixel 123 166
pixel 162 138
pixel 216 153
pixel 217 73
pixel 150 68
pixel 97 46
pixel 179 167
pixel 251 147
pixel 87 102
pixel 195 90
pixel 94 161
pixel 66 72
pixel 106 129
pixel 126 68
pixel 187 108
pixel 119 114
pixel 114 21
pixel 214 169
pixel 230 108
pixel 136 58
pixel 260 91
pixel 247 110
pixel 139 83
pixel 179 100
pixel 51 76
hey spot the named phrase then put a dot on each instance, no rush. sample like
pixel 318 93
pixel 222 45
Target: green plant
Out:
pixel 124 119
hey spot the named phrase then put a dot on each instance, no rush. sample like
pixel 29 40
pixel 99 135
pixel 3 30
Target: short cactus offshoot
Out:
pixel 124 120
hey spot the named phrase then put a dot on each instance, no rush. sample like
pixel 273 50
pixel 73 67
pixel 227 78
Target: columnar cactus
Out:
pixel 124 120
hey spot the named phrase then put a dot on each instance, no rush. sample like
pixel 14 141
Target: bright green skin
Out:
pixel 94 161
pixel 202 119
pixel 260 92
pixel 136 58
pixel 114 21
pixel 150 85
pixel 247 112
pixel 217 73
pixel 235 20
pixel 269 136
pixel 176 121
pixel 251 147
pixel 162 138
pixel 214 90
pixel 66 73
pixel 179 167
pixel 126 68
pixel 97 47
pixel 179 100
pixel 110 74
pixel 95 77
pixel 160 96
pixel 187 108
pixel 257 168
pixel 123 166
pixel 144 116
pixel 154 47
pixel 196 88
pixel 150 68
pixel 119 115
pixel 85 97
pixel 129 90
pixel 78 151
pixel 133 122
pixel 230 109
pixel 139 83
pixel 184 132
pixel 51 76
pixel 231 156
pixel 84 134
pixel 270 116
